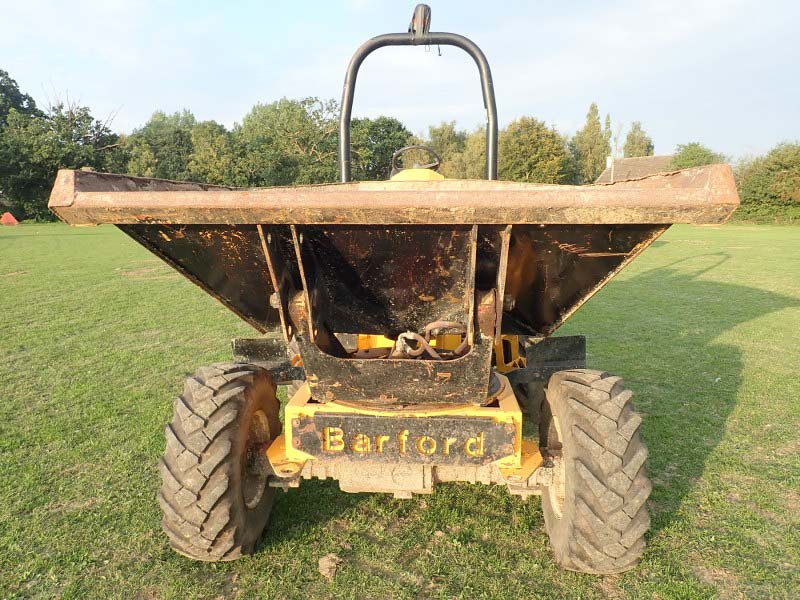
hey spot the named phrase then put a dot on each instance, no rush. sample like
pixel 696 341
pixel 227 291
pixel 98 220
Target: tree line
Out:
pixel 295 142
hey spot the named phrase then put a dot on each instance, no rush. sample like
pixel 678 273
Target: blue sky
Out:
pixel 725 73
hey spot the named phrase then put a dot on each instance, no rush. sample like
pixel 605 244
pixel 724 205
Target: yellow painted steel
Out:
pixel 281 464
pixel 416 175
pixel 506 354
pixel 445 341
pixel 366 341
pixel 531 460
pixel 506 411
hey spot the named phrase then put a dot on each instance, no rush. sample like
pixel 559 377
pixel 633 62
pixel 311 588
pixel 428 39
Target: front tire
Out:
pixel 595 508
pixel 214 493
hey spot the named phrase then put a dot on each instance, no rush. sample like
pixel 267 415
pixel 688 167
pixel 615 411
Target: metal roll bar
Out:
pixel 416 39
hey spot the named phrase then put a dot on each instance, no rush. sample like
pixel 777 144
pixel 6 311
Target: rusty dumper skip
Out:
pixel 414 318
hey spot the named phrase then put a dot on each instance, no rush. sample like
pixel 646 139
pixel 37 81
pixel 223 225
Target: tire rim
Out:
pixel 557 490
pixel 256 466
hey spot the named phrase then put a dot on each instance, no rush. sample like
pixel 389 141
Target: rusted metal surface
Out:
pixel 486 312
pixel 699 195
pixel 298 313
pixel 554 269
pixel 276 243
pixel 269 353
pixel 263 349
pixel 502 275
pixel 394 281
pixel 387 280
pixel 546 356
pixel 430 439
pixel 398 382
pixel 392 258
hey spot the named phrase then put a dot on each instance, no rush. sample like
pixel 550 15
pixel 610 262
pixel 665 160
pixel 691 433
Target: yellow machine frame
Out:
pixel 288 461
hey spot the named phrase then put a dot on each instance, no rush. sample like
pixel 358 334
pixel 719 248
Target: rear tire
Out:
pixel 595 509
pixel 214 493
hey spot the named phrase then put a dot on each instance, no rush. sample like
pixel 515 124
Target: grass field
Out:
pixel 96 336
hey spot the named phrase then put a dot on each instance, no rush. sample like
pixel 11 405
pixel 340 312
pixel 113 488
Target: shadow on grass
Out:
pixel 299 510
pixel 691 380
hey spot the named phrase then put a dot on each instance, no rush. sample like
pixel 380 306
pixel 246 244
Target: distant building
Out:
pixel 620 169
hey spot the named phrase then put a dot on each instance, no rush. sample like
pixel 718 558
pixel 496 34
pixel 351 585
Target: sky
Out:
pixel 723 73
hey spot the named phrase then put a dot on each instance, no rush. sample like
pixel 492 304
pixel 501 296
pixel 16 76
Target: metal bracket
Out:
pixel 545 356
pixel 269 353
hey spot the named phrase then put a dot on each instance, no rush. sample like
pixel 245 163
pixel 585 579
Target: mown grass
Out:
pixel 96 336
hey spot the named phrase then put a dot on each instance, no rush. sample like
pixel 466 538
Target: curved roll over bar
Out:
pixel 418 37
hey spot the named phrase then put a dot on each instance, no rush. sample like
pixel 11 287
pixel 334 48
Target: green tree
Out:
pixel 12 97
pixel 444 139
pixel 142 159
pixel 695 154
pixel 373 143
pixel 637 142
pixel 531 151
pixel 211 160
pixel 591 145
pixel 162 147
pixel 286 142
pixel 448 142
pixel 769 186
pixel 470 163
pixel 34 147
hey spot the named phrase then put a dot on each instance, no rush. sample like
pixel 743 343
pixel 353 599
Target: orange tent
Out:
pixel 8 219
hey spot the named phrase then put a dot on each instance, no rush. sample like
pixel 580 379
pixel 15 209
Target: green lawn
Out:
pixel 96 336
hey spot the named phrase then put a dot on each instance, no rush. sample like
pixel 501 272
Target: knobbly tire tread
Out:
pixel 204 513
pixel 604 516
